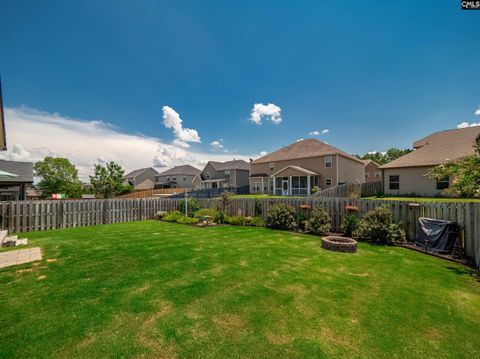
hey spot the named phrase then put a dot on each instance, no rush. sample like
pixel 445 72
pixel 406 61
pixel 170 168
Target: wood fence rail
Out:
pixel 24 216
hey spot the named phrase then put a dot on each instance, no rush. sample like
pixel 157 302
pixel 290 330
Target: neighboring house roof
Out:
pixel 138 172
pixel 304 149
pixel 230 165
pixel 370 162
pixel 184 170
pixel 297 168
pixel 23 170
pixel 439 148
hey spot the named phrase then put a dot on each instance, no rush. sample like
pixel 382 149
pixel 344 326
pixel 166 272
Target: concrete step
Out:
pixel 3 235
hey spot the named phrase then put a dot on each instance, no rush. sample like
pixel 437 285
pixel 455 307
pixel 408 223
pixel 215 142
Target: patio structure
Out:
pixel 13 186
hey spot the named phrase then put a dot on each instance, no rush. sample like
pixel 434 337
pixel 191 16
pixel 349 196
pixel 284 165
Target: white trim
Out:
pixel 331 161
pixel 337 166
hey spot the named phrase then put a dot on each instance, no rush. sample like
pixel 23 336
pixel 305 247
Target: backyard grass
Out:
pixel 425 199
pixel 164 290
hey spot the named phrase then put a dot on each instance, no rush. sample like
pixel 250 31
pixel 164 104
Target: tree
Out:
pixel 107 180
pixel 58 175
pixel 465 174
pixel 384 157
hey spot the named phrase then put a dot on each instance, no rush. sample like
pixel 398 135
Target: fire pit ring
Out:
pixel 339 244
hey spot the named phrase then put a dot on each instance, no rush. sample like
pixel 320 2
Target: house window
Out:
pixel 328 161
pixel 271 165
pixel 168 179
pixel 328 181
pixel 377 174
pixel 184 178
pixel 443 183
pixel 207 175
pixel 227 174
pixel 394 182
pixel 174 178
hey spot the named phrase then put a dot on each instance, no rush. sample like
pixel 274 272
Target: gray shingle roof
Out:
pixel 231 165
pixel 184 170
pixel 439 147
pixel 138 172
pixel 304 149
pixel 24 171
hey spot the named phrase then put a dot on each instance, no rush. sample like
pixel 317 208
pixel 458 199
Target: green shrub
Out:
pixel 257 222
pixel 237 221
pixel 257 210
pixel 379 226
pixel 201 213
pixel 172 216
pixel 221 218
pixel 160 214
pixel 193 206
pixel 282 216
pixel 319 221
pixel 349 224
pixel 187 220
pixel 302 218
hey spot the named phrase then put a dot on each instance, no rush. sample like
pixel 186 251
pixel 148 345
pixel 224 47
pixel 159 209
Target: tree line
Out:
pixel 384 157
pixel 59 175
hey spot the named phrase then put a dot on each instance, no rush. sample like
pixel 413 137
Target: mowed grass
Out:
pixel 164 290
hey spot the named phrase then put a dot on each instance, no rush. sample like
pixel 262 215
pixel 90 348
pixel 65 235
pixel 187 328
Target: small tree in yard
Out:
pixel 107 180
pixel 465 173
pixel 378 226
pixel 58 175
pixel 225 200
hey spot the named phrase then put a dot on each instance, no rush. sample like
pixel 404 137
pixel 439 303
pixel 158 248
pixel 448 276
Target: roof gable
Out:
pixel 304 149
pixel 184 170
pixel 136 173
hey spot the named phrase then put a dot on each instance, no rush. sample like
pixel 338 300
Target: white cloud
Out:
pixel 263 153
pixel 269 112
pixel 318 133
pixel 300 139
pixel 171 119
pixel 217 144
pixel 477 111
pixel 466 124
pixel 32 135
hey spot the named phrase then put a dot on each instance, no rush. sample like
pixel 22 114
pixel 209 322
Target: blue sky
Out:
pixel 375 74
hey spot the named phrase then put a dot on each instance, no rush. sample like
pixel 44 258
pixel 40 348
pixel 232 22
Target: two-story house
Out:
pixel 303 165
pixel 141 179
pixel 223 174
pixel 177 177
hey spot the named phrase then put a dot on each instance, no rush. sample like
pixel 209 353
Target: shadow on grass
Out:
pixel 464 271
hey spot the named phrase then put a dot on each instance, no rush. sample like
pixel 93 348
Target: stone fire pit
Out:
pixel 339 244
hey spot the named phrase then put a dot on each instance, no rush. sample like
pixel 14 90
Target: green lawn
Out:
pixel 164 290
pixel 425 199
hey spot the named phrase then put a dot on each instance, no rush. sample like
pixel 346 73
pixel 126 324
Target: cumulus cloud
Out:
pixel 269 112
pixel 263 153
pixel 477 111
pixel 171 119
pixel 33 134
pixel 467 124
pixel 318 133
pixel 217 144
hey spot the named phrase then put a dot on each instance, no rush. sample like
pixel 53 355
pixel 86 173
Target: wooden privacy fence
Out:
pixel 351 190
pixel 43 215
pixel 153 193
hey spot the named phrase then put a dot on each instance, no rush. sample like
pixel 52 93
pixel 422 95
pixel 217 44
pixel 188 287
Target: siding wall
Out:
pixel 412 180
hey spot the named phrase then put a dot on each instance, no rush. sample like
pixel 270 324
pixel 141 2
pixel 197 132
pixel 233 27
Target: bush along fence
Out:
pixel 44 215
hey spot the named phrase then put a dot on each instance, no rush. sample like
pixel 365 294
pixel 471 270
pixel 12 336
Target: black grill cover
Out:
pixel 441 235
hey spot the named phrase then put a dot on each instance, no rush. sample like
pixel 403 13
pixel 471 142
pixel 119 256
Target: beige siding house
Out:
pixel 406 175
pixel 303 165
pixel 223 174
pixel 177 177
pixel 373 173
pixel 141 179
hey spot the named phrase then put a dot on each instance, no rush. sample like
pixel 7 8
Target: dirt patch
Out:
pixel 229 322
pixel 278 339
pixel 164 310
pixel 244 263
pixel 41 277
pixel 51 260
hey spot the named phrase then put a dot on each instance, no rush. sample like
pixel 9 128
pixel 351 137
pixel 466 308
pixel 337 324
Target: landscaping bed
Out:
pixel 165 290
